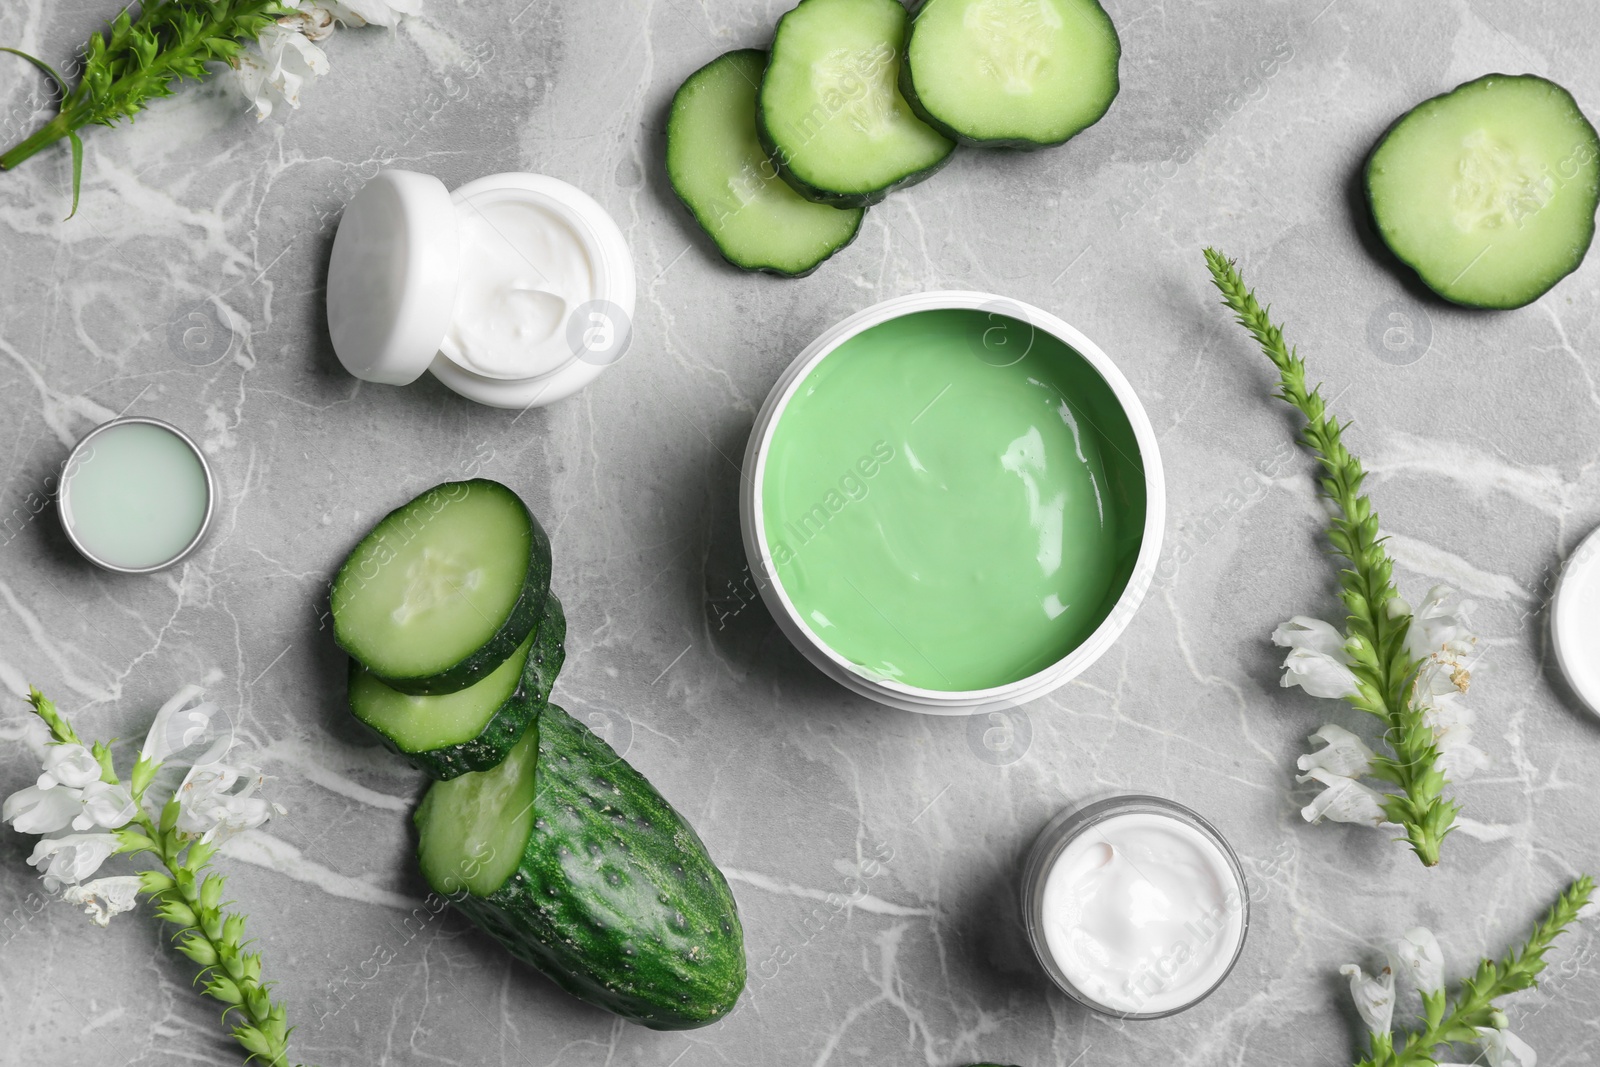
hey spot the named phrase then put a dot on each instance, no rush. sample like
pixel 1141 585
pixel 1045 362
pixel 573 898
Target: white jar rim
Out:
pixel 895 694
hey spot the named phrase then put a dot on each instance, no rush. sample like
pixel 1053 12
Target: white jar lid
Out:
pixel 392 277
pixel 1575 621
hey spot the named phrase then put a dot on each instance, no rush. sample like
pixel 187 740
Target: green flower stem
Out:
pixel 139 59
pixel 1456 1022
pixel 190 897
pixel 1375 630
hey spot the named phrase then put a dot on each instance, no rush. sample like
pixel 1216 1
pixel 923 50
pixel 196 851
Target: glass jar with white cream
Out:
pixel 1135 906
pixel 514 290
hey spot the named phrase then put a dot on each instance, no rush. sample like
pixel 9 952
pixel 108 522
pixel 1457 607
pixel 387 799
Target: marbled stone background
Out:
pixel 189 287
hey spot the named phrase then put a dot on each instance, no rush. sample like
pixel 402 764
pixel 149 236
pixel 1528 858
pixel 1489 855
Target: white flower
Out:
pixel 1502 1048
pixel 177 726
pixel 1418 955
pixel 1374 996
pixel 1344 800
pixel 282 60
pixel 1317 661
pixel 1434 628
pixel 375 12
pixel 1458 758
pixel 42 811
pixel 206 805
pixel 286 57
pixel 105 805
pixel 1343 753
pixel 70 859
pixel 104 898
pixel 70 765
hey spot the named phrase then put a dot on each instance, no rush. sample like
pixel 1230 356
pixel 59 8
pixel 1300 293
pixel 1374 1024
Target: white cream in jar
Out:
pixel 1135 906
pixel 524 272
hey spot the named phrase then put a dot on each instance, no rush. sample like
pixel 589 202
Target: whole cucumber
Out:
pixel 614 896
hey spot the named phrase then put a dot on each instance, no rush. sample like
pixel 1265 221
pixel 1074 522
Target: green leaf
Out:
pixel 61 83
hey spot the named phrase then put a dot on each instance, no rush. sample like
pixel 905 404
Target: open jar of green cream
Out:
pixel 952 502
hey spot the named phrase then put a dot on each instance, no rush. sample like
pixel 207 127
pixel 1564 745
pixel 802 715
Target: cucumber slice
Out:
pixel 472 829
pixel 719 170
pixel 1489 191
pixel 830 113
pixel 609 891
pixel 1011 73
pixel 444 589
pixel 474 728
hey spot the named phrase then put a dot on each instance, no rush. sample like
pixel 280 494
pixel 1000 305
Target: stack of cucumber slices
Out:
pixel 534 827
pixel 777 155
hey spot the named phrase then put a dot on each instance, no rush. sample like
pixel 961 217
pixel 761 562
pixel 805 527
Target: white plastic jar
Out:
pixel 515 291
pixel 1135 906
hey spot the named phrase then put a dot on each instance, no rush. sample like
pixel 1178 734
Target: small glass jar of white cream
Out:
pixel 515 291
pixel 1135 906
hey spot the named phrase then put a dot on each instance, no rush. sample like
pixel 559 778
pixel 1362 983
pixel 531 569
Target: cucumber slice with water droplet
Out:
pixel 830 111
pixel 1011 73
pixel 719 170
pixel 1489 191
pixel 444 589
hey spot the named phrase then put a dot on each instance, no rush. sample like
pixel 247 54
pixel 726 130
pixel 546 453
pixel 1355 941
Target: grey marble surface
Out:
pixel 1239 123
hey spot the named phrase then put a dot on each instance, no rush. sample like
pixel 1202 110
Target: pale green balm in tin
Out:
pixel 953 500
pixel 135 495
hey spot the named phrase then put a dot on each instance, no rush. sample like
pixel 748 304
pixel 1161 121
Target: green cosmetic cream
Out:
pixel 134 496
pixel 953 500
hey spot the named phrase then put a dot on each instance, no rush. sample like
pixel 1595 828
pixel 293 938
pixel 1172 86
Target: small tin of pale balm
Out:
pixel 136 495
pixel 1135 906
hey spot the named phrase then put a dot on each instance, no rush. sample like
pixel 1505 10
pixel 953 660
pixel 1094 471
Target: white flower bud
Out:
pixel 1502 1048
pixel 1343 753
pixel 1418 956
pixel 1374 996
pixel 1344 800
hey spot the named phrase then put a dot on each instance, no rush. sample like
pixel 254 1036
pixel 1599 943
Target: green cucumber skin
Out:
pixel 827 196
pixel 908 90
pixel 524 617
pixel 520 710
pixel 615 898
pixel 1415 268
pixel 694 212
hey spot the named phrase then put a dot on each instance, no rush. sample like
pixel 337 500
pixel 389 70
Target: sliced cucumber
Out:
pixel 1489 191
pixel 830 113
pixel 608 890
pixel 719 170
pixel 472 829
pixel 444 589
pixel 1012 73
pixel 471 729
